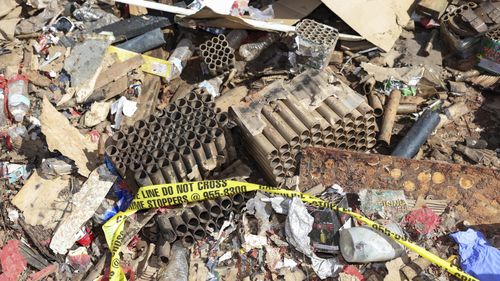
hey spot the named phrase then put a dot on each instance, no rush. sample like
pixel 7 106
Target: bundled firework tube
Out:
pixel 294 105
pixel 190 219
pixel 407 108
pixel 340 109
pixel 369 85
pixel 426 51
pixel 292 120
pixel 166 229
pixel 188 240
pixel 281 126
pixel 167 170
pixel 418 134
pixel 178 165
pixel 224 203
pixel 155 174
pixel 142 178
pixel 238 202
pixel 213 208
pixel 274 137
pixel 328 114
pixel 390 111
pixel 163 250
pixel 376 104
pixel 453 113
pixel 201 213
pixel 145 42
pixel 198 233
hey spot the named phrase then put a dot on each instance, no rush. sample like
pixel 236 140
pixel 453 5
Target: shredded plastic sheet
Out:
pixel 477 257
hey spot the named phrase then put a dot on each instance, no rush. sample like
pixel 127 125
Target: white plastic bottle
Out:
pixel 19 102
pixel 363 244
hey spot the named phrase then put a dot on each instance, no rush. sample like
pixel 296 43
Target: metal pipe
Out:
pixel 190 219
pixel 376 104
pixel 418 135
pixel 389 117
pixel 295 106
pixel 166 228
pixel 213 208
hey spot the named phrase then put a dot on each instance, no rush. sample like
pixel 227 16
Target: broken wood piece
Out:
pixel 110 90
pixel 231 98
pixel 453 113
pixel 65 138
pixel 84 204
pixel 433 8
pixel 390 112
pixel 118 70
pixel 40 200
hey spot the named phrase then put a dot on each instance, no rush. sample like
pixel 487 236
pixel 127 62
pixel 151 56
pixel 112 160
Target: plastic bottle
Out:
pixel 3 92
pixel 363 244
pixel 251 51
pixel 19 102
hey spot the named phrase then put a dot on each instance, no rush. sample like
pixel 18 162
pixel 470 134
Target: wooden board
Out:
pixel 433 8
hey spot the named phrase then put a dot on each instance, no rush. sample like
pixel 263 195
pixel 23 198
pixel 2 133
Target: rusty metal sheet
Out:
pixel 472 191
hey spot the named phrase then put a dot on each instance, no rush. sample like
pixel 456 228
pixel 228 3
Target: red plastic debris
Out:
pixel 37 276
pixel 352 270
pixel 86 238
pixel 428 23
pixel 94 136
pixel 12 261
pixel 423 221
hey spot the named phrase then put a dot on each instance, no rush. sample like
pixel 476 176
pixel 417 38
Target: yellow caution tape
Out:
pixel 151 65
pixel 163 195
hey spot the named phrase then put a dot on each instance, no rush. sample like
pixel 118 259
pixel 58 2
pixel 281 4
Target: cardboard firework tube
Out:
pixel 178 165
pixel 198 233
pixel 376 104
pixel 452 113
pixel 238 202
pixel 139 125
pixel 390 112
pixel 188 240
pixel 329 115
pixel 142 178
pixel 292 120
pixel 274 137
pixel 357 117
pixel 338 107
pixel 190 219
pixel 163 251
pixel 407 108
pixel 118 136
pixel 201 213
pixel 290 136
pixel 167 230
pixel 133 139
pixel 224 203
pixel 213 208
pixel 199 153
pixel 293 104
pixel 209 147
pixel 155 174
pixel 220 140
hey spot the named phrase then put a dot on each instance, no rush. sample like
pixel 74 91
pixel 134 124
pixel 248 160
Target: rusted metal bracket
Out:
pixel 474 191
